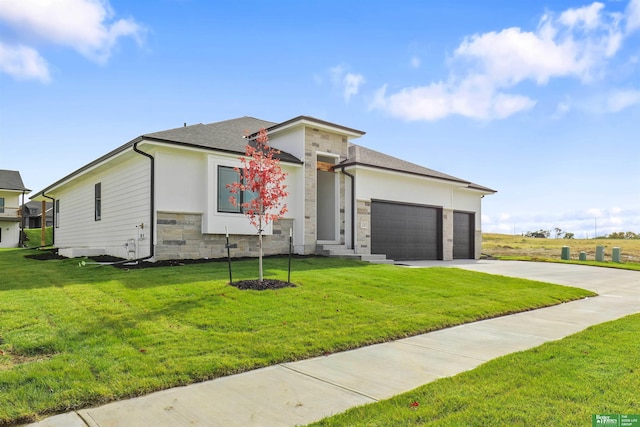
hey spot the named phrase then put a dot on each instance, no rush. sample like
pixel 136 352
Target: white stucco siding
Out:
pixel 181 177
pixel 295 200
pixel 468 201
pixel 397 187
pixel 215 222
pixel 125 200
pixel 290 141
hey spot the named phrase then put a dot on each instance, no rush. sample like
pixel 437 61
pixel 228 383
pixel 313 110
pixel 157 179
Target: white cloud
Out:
pixel 622 99
pixel 86 26
pixel 352 84
pixel 22 62
pixel 583 223
pixel 348 83
pixel 415 62
pixel 633 16
pixel 485 68
pixel 594 212
pixel 588 16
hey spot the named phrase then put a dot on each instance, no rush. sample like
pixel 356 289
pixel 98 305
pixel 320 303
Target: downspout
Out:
pixel 152 198
pixel 353 207
pixel 22 208
pixel 44 219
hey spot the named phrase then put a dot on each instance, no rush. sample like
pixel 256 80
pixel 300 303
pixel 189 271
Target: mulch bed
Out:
pixel 256 285
pixel 45 255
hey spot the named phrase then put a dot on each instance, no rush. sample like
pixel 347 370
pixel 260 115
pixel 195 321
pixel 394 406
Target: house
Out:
pixel 11 188
pixel 32 214
pixel 163 196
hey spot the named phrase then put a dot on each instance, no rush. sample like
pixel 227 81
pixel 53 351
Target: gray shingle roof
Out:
pixel 359 155
pixel 223 136
pixel 11 180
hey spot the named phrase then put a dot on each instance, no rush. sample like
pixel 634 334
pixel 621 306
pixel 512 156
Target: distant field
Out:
pixel 505 245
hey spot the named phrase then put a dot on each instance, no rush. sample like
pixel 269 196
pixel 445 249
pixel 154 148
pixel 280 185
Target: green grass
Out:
pixel 561 383
pixel 75 336
pixel 34 237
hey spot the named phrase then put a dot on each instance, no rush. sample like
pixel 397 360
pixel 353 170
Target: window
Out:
pixel 57 213
pixel 1 204
pixel 227 176
pixel 98 201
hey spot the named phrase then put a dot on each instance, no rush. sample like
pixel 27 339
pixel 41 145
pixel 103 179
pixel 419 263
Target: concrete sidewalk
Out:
pixel 299 393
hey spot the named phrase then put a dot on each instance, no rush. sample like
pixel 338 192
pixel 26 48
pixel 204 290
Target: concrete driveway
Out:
pixel 301 392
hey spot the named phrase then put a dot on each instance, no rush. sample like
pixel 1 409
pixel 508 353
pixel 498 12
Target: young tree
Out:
pixel 262 182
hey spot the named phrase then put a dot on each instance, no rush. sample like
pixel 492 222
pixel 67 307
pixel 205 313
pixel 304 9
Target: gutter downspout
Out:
pixel 353 207
pixel 152 198
pixel 22 208
pixel 44 219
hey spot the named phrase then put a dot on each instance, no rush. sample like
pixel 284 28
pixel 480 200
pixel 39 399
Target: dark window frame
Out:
pixel 56 213
pixel 97 201
pixel 241 197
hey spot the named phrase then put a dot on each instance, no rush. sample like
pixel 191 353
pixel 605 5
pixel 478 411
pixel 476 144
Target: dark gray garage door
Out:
pixel 463 235
pixel 406 232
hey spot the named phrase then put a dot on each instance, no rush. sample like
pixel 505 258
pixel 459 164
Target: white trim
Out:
pixel 316 125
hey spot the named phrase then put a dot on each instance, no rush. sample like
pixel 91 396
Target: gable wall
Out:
pixel 125 207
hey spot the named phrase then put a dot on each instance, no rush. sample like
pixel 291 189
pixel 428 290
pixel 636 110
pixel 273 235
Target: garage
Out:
pixel 406 231
pixel 463 235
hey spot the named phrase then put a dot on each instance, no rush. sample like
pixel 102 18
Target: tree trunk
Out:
pixel 260 258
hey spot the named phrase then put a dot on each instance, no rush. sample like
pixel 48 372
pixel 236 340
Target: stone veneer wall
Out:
pixel 447 234
pixel 363 227
pixel 179 236
pixel 325 142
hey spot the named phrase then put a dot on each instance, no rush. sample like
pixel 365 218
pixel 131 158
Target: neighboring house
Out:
pixel 32 214
pixel 11 188
pixel 163 195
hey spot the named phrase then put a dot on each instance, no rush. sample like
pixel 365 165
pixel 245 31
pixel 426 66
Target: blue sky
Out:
pixel 538 100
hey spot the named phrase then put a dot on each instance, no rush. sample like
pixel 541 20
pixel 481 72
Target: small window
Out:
pixel 227 176
pixel 1 204
pixel 57 213
pixel 98 201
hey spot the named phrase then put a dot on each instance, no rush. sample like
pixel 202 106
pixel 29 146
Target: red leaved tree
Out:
pixel 262 183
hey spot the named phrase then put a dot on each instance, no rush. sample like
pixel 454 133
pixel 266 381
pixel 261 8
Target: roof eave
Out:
pixel 463 183
pixel 221 150
pixel 312 121
pixel 87 167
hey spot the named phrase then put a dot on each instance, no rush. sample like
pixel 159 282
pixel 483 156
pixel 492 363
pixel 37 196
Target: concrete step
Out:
pixel 341 251
pixel 376 259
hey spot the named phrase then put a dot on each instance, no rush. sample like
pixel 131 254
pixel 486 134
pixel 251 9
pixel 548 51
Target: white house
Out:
pixel 163 195
pixel 11 188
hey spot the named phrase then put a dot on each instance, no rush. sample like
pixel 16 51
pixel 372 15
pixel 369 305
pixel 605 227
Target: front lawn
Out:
pixel 74 336
pixel 561 383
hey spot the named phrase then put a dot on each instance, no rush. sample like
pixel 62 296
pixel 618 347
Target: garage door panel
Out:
pixel 463 235
pixel 406 232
